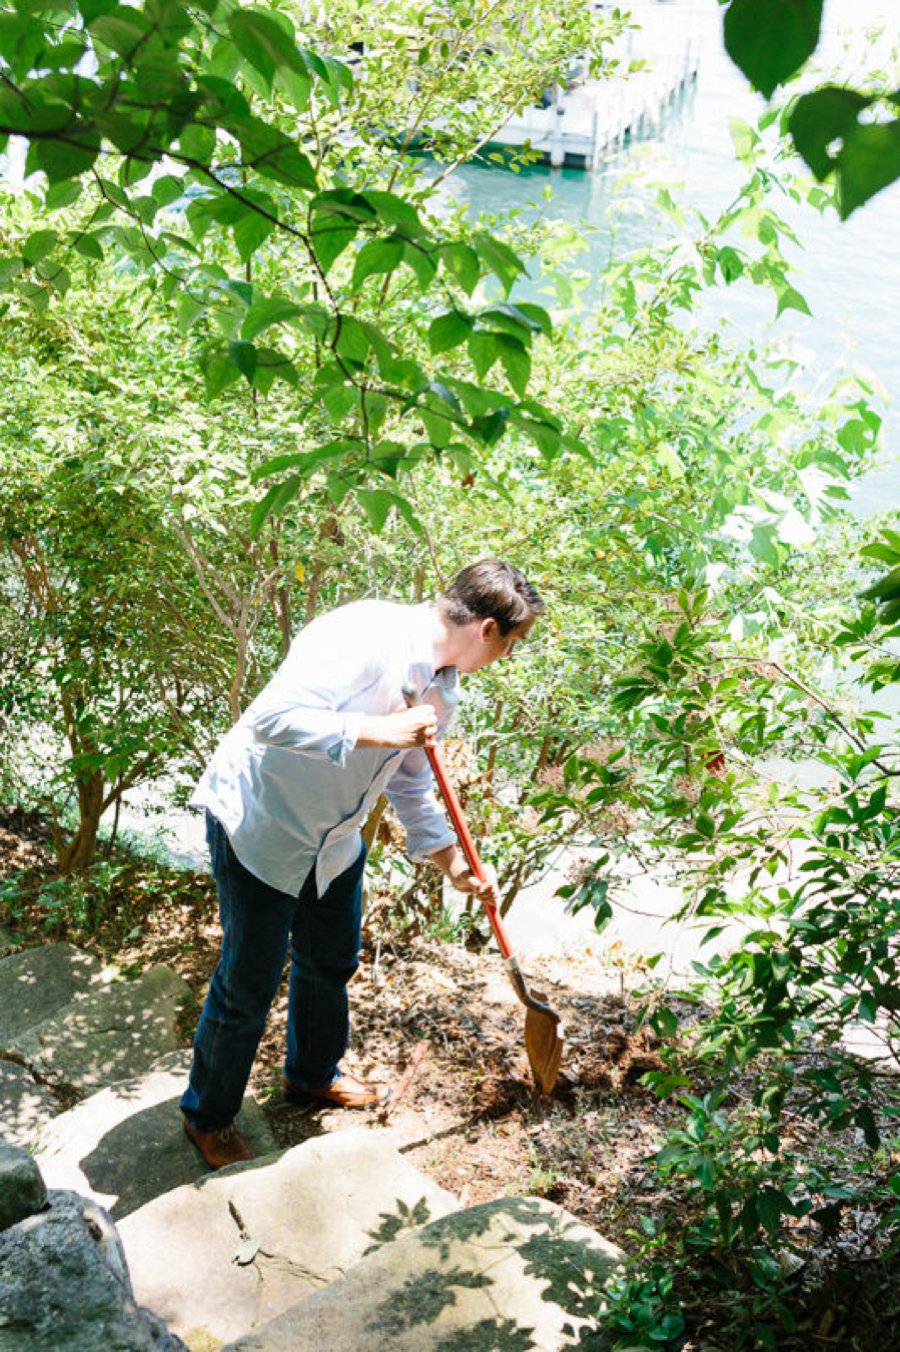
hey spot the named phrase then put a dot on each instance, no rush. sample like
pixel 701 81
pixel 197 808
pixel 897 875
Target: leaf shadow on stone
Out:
pixel 392 1224
pixel 487 1336
pixel 554 1254
pixel 421 1299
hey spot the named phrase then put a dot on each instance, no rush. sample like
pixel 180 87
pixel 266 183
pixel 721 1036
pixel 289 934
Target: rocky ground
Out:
pixel 470 1118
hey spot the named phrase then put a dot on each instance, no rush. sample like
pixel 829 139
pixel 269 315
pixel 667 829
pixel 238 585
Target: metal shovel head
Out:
pixel 543 1043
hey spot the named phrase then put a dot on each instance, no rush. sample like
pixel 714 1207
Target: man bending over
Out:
pixel 286 794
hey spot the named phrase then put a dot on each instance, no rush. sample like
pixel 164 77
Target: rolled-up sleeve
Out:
pixel 411 793
pixel 293 726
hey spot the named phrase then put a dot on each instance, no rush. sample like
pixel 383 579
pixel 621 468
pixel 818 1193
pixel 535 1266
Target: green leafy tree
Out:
pixel 233 162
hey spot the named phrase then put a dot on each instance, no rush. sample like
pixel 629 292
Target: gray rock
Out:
pixel 125 1145
pixel 22 1190
pixel 25 1105
pixel 37 982
pixel 64 1285
pixel 249 1242
pixel 518 1274
pixel 119 1029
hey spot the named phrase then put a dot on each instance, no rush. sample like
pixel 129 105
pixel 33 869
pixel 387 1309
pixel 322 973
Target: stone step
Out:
pixel 37 982
pixel 125 1145
pixel 103 1034
pixel 25 1106
pixel 220 1257
pixel 517 1274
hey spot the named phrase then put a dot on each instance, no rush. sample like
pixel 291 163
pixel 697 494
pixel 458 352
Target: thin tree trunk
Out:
pixel 82 848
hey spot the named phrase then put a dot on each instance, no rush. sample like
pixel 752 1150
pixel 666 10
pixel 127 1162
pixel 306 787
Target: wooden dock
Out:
pixel 586 120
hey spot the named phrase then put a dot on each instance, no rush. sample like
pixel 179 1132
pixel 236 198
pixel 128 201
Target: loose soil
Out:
pixel 470 1117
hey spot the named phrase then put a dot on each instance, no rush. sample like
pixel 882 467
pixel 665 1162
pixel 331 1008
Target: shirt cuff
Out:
pixel 420 851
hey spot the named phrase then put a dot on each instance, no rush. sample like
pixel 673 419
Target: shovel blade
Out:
pixel 544 1044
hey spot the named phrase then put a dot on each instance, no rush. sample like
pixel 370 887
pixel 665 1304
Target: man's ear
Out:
pixel 489 629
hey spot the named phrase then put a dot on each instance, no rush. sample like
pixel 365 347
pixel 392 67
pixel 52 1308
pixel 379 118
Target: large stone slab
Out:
pixel 37 982
pixel 118 1030
pixel 125 1145
pixel 25 1105
pixel 64 1285
pixel 222 1257
pixel 518 1274
pixel 22 1190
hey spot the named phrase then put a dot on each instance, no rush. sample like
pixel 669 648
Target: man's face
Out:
pixel 488 645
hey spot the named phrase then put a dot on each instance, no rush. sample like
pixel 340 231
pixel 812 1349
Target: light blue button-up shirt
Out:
pixel 289 783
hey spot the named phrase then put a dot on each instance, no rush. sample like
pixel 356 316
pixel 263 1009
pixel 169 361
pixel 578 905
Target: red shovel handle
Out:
pixel 464 835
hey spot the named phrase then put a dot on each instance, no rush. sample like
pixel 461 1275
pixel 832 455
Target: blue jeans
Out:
pixel 258 922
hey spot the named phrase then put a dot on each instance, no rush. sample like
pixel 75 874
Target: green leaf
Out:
pixel 9 268
pixel 307 461
pixel 275 155
pixel 771 1204
pixel 535 315
pixel 484 350
pixel 422 264
pixel 771 39
pixel 88 246
pixel 198 143
pixel 868 162
pixel 819 119
pixel 730 263
pixel 264 42
pixel 189 310
pixel 440 430
pixel 218 372
pixel 65 160
pixel 38 246
pixel 167 189
pixel 243 355
pixel 744 138
pixel 62 195
pixel 395 213
pixel 461 262
pixel 865 1119
pixel 790 299
pixel 271 310
pixel 448 331
pixel 377 505
pixel 336 216
pixel 499 259
pixel 275 501
pixel 516 363
pixel 123 30
pixel 250 232
pixel 377 257
pixel 35 294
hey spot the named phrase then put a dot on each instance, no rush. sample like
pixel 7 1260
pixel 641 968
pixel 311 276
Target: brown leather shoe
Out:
pixel 346 1092
pixel 218 1148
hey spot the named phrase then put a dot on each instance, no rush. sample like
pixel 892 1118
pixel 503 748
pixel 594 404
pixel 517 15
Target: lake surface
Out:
pixel 849 271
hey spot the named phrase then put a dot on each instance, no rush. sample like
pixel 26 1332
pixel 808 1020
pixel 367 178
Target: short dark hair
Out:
pixel 491 590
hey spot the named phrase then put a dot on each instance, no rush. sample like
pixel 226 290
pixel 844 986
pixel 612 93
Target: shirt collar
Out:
pixel 422 674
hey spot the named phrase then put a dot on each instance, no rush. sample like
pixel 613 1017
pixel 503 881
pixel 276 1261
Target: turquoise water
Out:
pixel 849 271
